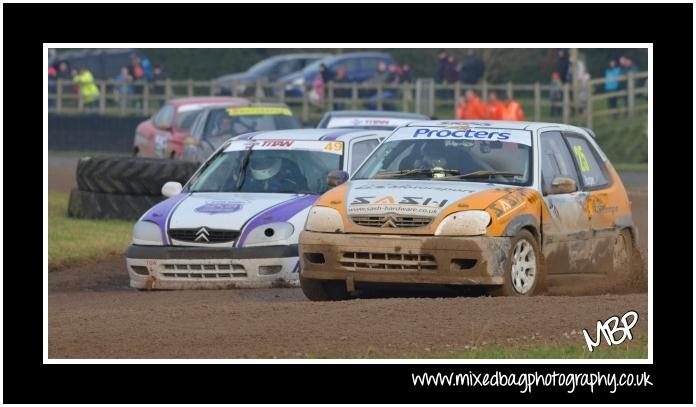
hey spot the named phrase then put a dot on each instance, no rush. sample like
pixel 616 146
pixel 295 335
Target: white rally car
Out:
pixel 236 223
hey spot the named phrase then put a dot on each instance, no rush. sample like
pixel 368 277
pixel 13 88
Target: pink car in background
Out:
pixel 162 136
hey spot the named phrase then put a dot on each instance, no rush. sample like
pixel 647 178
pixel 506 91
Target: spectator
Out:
pixel 584 91
pixel 324 73
pixel 136 69
pixel 472 68
pixel 627 66
pixel 87 88
pixel 475 109
pixel 494 108
pixel 158 73
pixel 451 73
pixel 147 69
pixel 51 85
pixel 460 109
pixel 124 88
pixel 381 74
pixel 406 74
pixel 316 95
pixel 563 66
pixel 159 88
pixel 63 71
pixel 341 92
pixel 556 94
pixel 513 111
pixel 611 84
pixel 441 65
pixel 393 74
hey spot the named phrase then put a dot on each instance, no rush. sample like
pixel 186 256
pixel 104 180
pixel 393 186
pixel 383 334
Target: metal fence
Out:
pixel 539 101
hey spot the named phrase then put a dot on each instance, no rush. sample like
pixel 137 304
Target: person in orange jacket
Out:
pixel 475 109
pixel 513 111
pixel 460 109
pixel 494 108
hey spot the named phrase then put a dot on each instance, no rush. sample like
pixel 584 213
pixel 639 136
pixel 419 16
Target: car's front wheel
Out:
pixel 321 290
pixel 524 271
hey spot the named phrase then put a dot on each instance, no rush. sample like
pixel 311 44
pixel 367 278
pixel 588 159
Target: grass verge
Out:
pixel 73 242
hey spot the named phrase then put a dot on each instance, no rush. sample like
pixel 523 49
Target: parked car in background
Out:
pixel 237 221
pixel 360 67
pixel 163 134
pixel 268 70
pixel 497 205
pixel 367 119
pixel 215 125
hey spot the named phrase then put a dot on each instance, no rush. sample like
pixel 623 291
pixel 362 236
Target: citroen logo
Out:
pixel 202 235
pixel 389 221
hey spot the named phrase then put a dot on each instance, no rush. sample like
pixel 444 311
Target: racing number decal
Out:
pixel 335 146
pixel 582 160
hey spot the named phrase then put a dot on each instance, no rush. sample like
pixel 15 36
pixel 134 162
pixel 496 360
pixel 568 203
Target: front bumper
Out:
pixel 356 258
pixel 182 267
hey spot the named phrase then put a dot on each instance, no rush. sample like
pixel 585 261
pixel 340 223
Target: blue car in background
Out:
pixel 267 70
pixel 360 67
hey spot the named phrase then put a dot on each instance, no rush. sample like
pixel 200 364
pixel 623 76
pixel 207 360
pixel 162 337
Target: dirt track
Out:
pixel 94 314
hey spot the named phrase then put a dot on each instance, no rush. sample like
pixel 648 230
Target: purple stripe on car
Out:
pixel 160 213
pixel 335 135
pixel 278 213
pixel 296 269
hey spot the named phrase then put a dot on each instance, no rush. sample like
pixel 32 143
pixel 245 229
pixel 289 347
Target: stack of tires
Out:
pixel 123 187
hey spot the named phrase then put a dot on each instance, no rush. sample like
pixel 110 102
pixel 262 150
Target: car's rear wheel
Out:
pixel 622 261
pixel 322 290
pixel 524 268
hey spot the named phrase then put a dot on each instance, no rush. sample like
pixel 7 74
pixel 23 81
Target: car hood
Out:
pixel 232 211
pixel 419 198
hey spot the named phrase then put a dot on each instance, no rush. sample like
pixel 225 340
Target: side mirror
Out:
pixel 563 185
pixel 171 188
pixel 336 178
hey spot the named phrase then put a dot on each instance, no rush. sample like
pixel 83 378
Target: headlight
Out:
pixel 272 232
pixel 323 219
pixel 147 233
pixel 464 223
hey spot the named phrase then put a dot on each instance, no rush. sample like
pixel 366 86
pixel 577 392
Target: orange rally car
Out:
pixel 500 205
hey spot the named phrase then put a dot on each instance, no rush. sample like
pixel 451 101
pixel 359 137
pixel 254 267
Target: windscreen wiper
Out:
pixel 483 174
pixel 427 171
pixel 242 168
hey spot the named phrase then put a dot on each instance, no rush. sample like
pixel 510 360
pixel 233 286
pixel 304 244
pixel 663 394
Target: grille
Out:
pixel 213 235
pixel 387 261
pixel 396 221
pixel 204 271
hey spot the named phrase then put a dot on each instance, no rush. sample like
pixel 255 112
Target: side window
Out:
pixel 370 64
pixel 360 151
pixel 164 118
pixel 592 171
pixel 555 160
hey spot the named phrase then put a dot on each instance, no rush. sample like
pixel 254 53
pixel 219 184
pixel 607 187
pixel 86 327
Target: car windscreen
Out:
pixel 474 155
pixel 224 123
pixel 271 166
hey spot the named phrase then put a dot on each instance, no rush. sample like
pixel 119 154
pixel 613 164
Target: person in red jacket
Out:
pixel 475 109
pixel 513 111
pixel 494 108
